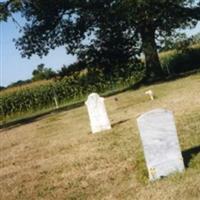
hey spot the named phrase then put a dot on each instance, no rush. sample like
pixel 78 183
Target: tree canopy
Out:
pixel 101 31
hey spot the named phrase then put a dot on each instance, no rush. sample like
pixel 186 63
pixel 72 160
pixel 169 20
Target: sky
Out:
pixel 13 67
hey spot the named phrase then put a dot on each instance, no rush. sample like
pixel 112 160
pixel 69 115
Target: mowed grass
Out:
pixel 57 157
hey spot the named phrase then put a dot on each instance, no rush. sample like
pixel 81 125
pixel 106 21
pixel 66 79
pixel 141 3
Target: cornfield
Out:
pixel 36 97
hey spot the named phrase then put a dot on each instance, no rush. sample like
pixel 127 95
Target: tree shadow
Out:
pixel 189 154
pixel 160 80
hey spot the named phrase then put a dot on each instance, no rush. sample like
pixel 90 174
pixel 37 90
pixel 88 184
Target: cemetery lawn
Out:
pixel 57 157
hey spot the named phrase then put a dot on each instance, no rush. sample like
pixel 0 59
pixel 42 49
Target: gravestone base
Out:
pixel 164 169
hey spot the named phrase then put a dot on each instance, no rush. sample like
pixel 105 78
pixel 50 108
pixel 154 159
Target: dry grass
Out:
pixel 58 158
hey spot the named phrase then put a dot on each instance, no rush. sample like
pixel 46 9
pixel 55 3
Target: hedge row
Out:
pixel 175 62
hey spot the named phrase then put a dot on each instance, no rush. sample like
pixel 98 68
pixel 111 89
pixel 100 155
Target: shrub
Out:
pixel 175 62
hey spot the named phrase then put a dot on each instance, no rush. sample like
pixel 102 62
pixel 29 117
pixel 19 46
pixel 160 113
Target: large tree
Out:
pixel 69 22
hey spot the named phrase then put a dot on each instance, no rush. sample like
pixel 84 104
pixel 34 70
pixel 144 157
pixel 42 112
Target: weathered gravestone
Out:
pixel 160 142
pixel 97 113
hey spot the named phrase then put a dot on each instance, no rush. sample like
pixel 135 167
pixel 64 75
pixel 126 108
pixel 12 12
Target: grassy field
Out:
pixel 57 157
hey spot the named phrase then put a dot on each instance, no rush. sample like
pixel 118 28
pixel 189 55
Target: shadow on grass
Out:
pixel 33 118
pixel 165 79
pixel 189 154
pixel 119 122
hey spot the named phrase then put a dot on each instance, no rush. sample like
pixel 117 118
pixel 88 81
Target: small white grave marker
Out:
pixel 150 93
pixel 160 142
pixel 97 113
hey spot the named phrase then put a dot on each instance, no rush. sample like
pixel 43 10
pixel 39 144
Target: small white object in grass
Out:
pixel 150 93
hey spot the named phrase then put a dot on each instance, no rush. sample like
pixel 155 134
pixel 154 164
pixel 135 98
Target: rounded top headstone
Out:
pixel 152 112
pixel 93 97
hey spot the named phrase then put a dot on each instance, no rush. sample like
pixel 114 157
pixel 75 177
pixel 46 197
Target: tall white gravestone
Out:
pixel 97 113
pixel 160 142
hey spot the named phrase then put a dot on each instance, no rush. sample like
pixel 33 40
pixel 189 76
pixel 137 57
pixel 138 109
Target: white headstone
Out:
pixel 160 142
pixel 97 113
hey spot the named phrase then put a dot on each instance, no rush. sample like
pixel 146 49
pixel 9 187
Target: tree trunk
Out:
pixel 152 62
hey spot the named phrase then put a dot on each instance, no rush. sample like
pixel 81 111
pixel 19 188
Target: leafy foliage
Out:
pixel 80 83
pixel 76 86
pixel 72 68
pixel 42 73
pixel 113 27
pixel 179 41
pixel 181 61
